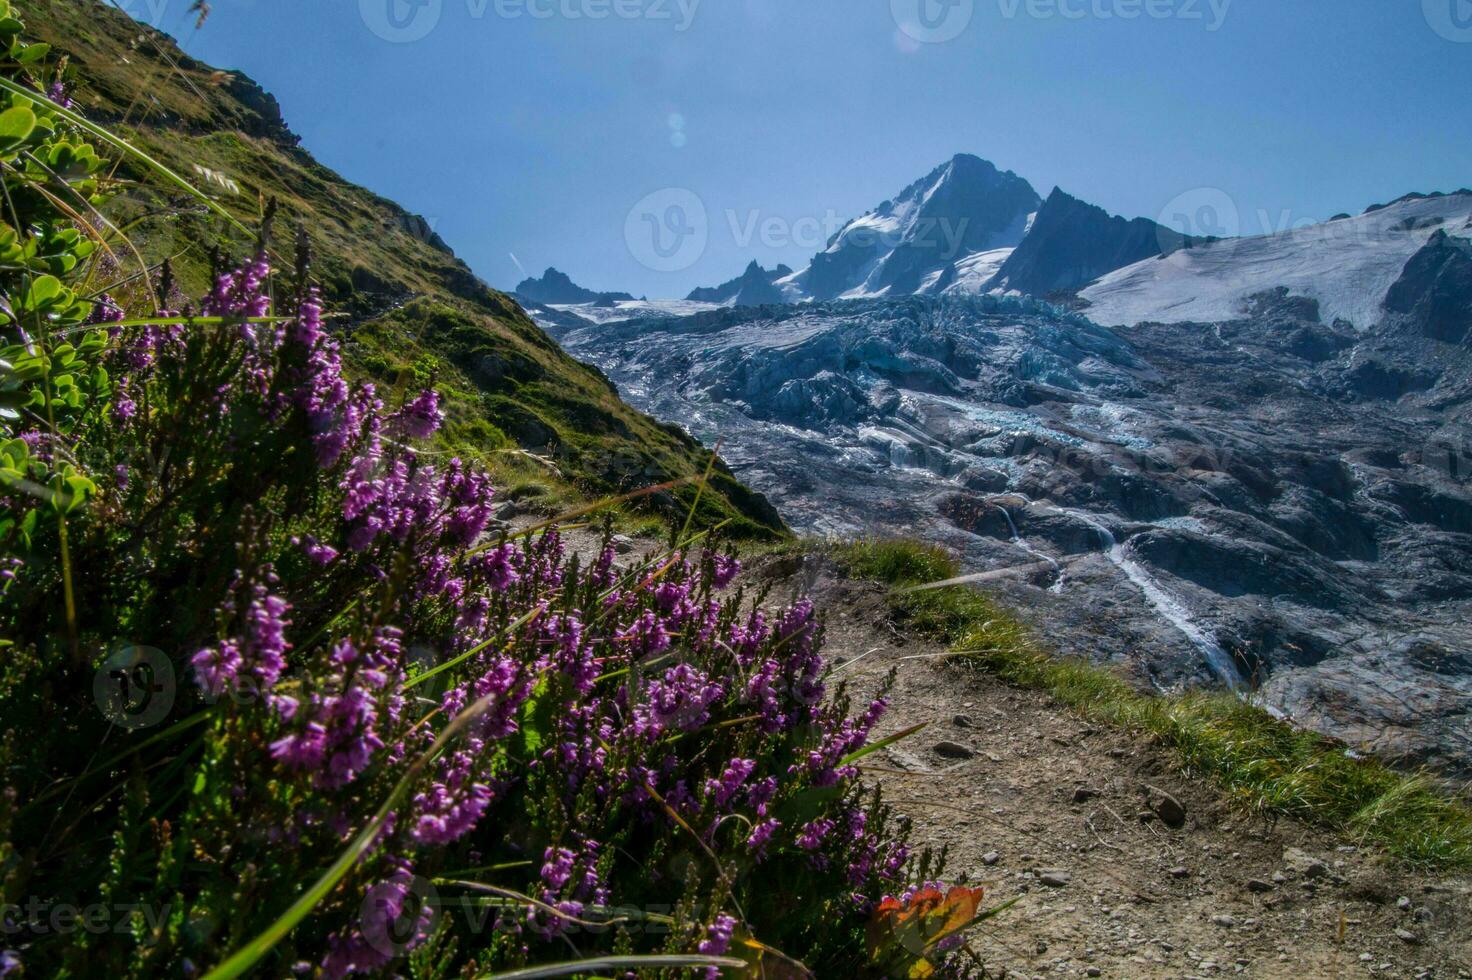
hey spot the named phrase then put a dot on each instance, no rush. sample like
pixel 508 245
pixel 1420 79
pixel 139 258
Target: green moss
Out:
pixel 1261 763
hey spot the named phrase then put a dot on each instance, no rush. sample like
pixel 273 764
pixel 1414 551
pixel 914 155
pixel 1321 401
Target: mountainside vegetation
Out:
pixel 416 310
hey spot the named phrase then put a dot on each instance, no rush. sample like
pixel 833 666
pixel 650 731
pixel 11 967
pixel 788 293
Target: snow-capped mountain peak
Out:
pixel 962 207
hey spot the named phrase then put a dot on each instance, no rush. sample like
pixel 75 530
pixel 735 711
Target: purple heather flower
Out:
pixel 123 406
pixel 216 668
pixel 680 699
pixel 315 550
pixel 496 567
pixel 422 417
pixel 725 568
pixel 645 636
pixel 557 864
pixel 104 311
pixel 812 834
pixel 453 804
pixel 378 941
pixel 723 789
pixel 761 835
pixel 717 941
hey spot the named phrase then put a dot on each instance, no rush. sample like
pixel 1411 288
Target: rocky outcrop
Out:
pixel 1072 243
pixel 1434 293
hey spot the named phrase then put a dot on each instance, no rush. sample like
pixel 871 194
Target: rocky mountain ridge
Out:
pixel 556 287
pixel 754 287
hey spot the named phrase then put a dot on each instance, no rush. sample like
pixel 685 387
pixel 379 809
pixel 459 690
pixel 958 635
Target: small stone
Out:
pixel 1407 936
pixel 953 750
pixel 1258 885
pixel 1055 878
pixel 1180 872
pixel 1403 903
pixel 1119 753
pixel 1304 863
pixel 1366 958
pixel 1170 810
pixel 1225 921
pixel 990 858
pixel 1085 793
pixel 963 721
pixel 1094 971
pixel 1279 877
pixel 622 543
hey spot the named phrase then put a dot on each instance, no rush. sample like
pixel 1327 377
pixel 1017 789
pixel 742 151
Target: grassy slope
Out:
pixel 1261 763
pixel 418 313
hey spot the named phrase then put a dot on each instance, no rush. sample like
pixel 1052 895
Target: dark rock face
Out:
pixel 1072 243
pixel 1434 294
pixel 556 287
pixel 754 287
pixel 1269 502
pixel 965 205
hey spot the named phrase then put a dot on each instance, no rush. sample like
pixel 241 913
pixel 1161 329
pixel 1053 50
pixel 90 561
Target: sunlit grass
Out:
pixel 1262 764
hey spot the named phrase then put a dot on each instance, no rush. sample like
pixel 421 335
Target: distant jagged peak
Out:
pixel 754 287
pixel 557 288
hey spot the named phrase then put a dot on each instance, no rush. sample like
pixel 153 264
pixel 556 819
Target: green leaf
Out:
pixel 33 53
pixel 16 450
pixel 872 747
pixel 15 126
pixel 44 289
pixel 536 719
pixel 615 964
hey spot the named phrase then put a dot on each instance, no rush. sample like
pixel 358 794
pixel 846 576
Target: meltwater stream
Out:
pixel 1166 604
pixel 1171 609
pixel 1017 539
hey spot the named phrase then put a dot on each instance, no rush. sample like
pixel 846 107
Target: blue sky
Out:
pixel 534 127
